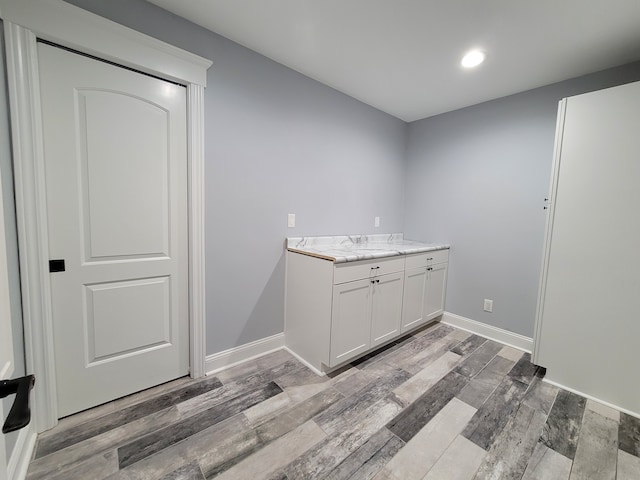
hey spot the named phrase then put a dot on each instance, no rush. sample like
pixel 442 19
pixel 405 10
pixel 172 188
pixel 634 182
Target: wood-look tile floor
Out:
pixel 438 404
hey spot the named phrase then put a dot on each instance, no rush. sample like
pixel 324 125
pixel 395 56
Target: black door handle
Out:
pixel 20 413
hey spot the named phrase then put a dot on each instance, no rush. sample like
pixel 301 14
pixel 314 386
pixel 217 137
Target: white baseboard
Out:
pixel 591 397
pixel 305 363
pixel 233 356
pixel 22 452
pixel 493 333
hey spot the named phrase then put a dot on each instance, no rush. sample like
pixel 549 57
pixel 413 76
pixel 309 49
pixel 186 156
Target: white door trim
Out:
pixel 72 27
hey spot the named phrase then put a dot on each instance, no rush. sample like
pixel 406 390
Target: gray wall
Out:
pixel 476 178
pixel 9 211
pixel 277 142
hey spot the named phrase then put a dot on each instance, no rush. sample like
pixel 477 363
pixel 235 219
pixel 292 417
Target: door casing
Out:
pixel 72 27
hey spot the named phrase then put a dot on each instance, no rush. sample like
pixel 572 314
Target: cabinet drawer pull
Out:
pixel 431 258
pixel 429 269
pixel 375 268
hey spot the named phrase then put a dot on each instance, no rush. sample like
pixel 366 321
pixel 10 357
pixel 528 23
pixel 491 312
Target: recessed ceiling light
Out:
pixel 472 59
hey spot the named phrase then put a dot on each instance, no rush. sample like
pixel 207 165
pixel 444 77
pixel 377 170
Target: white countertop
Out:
pixel 351 248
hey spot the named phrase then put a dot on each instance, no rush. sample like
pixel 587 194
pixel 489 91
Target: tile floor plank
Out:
pixel 217 460
pixel 100 465
pixel 121 417
pixel 479 359
pixel 224 438
pixel 333 419
pixel 101 443
pixel 268 460
pixel 508 457
pixel 422 381
pixel 547 464
pixel 429 354
pixel 190 471
pixel 480 388
pixel 328 454
pixel 156 441
pixel 459 462
pixel 540 395
pixel 562 428
pixel 365 462
pixel 628 466
pixel 511 353
pixel 493 415
pixel 524 371
pixel 603 410
pixel 469 345
pixel 411 420
pixel 416 458
pixel 629 434
pixel 596 454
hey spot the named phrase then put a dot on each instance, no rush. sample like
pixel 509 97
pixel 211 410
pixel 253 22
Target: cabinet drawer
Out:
pixel 348 272
pixel 427 258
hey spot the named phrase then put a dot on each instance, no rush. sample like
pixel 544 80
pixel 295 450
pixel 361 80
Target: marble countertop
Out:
pixel 351 248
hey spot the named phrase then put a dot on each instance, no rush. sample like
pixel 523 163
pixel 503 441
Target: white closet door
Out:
pixel 6 343
pixel 589 319
pixel 116 184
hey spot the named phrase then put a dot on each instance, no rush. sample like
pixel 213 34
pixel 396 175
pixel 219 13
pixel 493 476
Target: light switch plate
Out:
pixel 376 222
pixel 291 220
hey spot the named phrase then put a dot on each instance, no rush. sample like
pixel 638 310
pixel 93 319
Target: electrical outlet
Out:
pixel 291 220
pixel 488 305
pixel 376 222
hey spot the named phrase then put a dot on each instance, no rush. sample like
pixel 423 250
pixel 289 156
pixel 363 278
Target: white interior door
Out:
pixel 6 342
pixel 116 184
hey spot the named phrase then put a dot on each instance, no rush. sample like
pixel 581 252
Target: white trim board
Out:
pixel 19 462
pixel 248 351
pixel 492 333
pixel 590 397
pixel 70 26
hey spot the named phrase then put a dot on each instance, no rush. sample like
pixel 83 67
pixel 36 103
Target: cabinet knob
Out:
pixel 377 281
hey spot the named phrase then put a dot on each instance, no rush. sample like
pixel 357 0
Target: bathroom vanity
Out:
pixel 346 296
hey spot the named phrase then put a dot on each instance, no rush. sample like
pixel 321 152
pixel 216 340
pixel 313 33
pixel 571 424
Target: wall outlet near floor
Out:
pixel 488 305
pixel 376 222
pixel 291 220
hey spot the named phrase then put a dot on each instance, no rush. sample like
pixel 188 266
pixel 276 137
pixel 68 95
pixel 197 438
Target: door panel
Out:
pixel 129 223
pixel 436 289
pixel 413 298
pixel 138 307
pixel 116 185
pixel 350 320
pixel 386 308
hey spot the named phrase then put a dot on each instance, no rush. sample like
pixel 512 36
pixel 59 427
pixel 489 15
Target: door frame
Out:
pixel 75 28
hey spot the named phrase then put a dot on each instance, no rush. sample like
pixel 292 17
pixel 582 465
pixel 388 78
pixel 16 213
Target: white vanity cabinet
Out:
pixel 336 312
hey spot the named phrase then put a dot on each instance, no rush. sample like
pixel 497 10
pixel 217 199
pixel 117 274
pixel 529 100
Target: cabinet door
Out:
pixel 435 291
pixel 386 307
pixel 413 300
pixel 350 320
